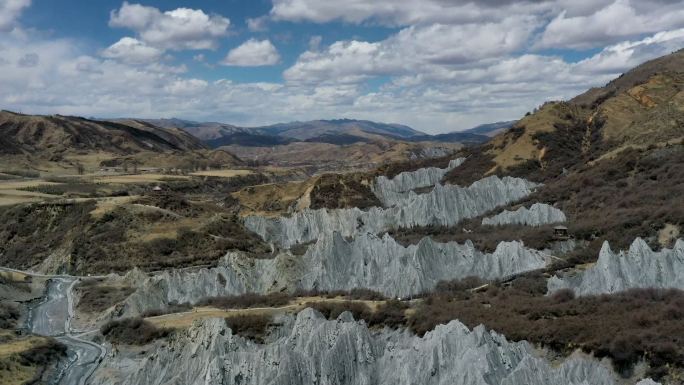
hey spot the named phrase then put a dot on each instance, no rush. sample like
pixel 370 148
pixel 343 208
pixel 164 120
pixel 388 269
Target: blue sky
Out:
pixel 435 65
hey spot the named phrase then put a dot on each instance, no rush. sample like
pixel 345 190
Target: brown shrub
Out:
pixel 95 298
pixel 628 326
pixel 356 294
pixel 390 170
pixel 336 191
pixel 132 331
pixel 390 314
pixel 9 315
pixel 332 310
pixel 251 326
pixel 248 300
pixel 171 308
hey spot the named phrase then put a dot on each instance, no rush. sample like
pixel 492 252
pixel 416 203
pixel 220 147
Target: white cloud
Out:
pixel 10 10
pixel 315 42
pixel 29 60
pixel 571 23
pixel 623 56
pixel 617 20
pixel 437 75
pixel 132 51
pixel 413 49
pixel 257 24
pixel 402 13
pixel 252 53
pixel 181 28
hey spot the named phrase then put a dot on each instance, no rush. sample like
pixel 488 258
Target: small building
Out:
pixel 157 189
pixel 561 232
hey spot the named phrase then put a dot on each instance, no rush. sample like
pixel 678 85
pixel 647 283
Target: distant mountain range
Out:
pixel 48 141
pixel 338 131
pixel 55 134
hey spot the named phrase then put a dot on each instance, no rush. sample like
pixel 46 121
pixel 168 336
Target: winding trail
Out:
pixel 52 317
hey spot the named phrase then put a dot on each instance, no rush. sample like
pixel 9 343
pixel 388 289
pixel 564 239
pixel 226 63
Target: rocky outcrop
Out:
pixel 537 215
pixel 640 267
pixel 309 349
pixel 443 206
pixel 335 263
pixel 393 191
pixel 383 265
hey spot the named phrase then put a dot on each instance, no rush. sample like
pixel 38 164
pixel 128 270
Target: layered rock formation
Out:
pixel 394 191
pixel 443 206
pixel 640 267
pixel 334 263
pixel 312 350
pixel 537 215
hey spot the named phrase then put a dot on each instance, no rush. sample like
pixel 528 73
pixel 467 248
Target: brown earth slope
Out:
pixel 643 107
pixel 57 142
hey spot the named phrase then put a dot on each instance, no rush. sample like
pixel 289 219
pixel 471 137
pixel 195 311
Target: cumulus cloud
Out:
pixel 29 60
pixel 413 49
pixel 619 19
pixel 449 65
pixel 133 51
pixel 252 53
pixel 623 56
pixel 257 24
pixel 571 23
pixel 181 28
pixel 402 13
pixel 10 10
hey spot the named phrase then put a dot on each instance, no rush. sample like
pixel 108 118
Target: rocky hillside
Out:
pixel 50 143
pixel 57 134
pixel 201 130
pixel 642 108
pixel 609 158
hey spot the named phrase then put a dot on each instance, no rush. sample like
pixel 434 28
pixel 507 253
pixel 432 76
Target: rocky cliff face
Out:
pixel 538 214
pixel 392 192
pixel 640 267
pixel 443 206
pixel 334 263
pixel 311 350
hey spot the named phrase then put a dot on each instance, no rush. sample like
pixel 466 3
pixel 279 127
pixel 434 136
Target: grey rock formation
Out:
pixel 312 350
pixel 392 192
pixel 443 206
pixel 640 267
pixel 334 263
pixel 383 265
pixel 538 214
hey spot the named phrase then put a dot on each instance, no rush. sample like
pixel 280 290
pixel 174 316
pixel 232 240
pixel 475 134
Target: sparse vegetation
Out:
pixel 628 326
pixel 132 331
pixel 28 359
pixel 332 310
pixel 250 326
pixel 392 313
pixel 71 189
pixel 355 294
pixel 390 170
pixel 170 309
pixel 248 300
pixel 9 315
pixel 336 191
pixel 96 298
pixel 485 238
pixel 633 195
pixel 22 173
